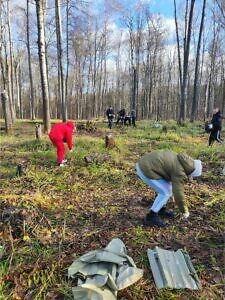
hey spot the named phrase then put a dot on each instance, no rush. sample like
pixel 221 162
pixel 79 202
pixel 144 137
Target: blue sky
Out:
pixel 164 7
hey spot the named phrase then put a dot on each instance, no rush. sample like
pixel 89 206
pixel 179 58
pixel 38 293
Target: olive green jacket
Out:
pixel 170 166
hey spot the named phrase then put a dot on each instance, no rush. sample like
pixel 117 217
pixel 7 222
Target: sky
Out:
pixel 164 7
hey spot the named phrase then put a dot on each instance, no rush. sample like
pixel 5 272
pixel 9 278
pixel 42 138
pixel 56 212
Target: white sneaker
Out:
pixel 61 165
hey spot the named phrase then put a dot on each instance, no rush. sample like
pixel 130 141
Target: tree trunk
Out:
pixel 60 59
pixel 183 68
pixel 67 53
pixel 38 131
pixel 1 48
pixel 178 44
pixel 32 112
pixel 7 113
pixel 196 80
pixel 183 96
pixel 40 10
pixel 18 88
pixel 11 68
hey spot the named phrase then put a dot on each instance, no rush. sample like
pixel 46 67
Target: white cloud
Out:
pixel 169 25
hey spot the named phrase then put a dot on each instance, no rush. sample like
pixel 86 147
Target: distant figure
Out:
pixel 127 120
pixel 216 127
pixel 121 116
pixel 164 171
pixel 62 133
pixel 110 116
pixel 133 117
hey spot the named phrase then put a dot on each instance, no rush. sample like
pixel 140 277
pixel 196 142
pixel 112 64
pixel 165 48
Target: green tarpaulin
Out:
pixel 102 273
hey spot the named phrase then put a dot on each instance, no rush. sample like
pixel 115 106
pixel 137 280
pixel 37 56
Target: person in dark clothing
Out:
pixel 217 127
pixel 109 112
pixel 121 116
pixel 127 120
pixel 110 116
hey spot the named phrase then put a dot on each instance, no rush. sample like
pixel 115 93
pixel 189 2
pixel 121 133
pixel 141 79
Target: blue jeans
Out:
pixel 161 186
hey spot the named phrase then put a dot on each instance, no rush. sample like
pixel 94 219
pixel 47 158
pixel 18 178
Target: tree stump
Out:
pixel 21 168
pixel 7 113
pixel 109 141
pixel 38 131
pixel 164 129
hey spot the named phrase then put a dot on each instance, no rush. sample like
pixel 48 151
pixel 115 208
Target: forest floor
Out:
pixel 52 215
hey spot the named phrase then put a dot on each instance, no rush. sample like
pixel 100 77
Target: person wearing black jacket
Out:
pixel 217 127
pixel 121 116
pixel 110 116
pixel 110 112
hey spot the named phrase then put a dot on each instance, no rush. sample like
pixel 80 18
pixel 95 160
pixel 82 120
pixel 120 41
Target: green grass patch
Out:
pixel 66 212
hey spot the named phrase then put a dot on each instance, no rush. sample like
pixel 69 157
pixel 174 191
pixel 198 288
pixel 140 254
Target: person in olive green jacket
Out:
pixel 165 171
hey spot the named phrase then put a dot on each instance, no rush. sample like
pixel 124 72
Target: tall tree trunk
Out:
pixel 60 59
pixel 40 10
pixel 1 49
pixel 11 68
pixel 197 63
pixel 184 66
pixel 18 88
pixel 32 112
pixel 20 91
pixel 183 96
pixel 178 44
pixel 67 51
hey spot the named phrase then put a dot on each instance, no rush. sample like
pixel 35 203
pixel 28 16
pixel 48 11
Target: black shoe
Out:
pixel 153 219
pixel 166 213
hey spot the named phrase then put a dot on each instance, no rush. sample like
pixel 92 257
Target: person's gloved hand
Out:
pixel 186 215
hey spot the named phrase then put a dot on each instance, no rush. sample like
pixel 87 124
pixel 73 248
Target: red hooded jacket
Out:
pixel 63 132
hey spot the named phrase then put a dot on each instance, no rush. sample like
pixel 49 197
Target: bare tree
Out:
pixel 197 63
pixel 67 50
pixel 2 34
pixel 186 49
pixel 40 10
pixel 10 66
pixel 60 59
pixel 29 63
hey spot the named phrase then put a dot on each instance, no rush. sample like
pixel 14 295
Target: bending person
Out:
pixel 165 171
pixel 59 134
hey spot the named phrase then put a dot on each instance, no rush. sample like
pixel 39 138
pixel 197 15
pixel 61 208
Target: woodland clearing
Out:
pixel 52 215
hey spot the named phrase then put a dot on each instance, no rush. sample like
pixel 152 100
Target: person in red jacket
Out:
pixel 59 134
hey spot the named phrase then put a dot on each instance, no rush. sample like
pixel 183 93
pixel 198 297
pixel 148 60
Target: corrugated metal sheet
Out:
pixel 173 269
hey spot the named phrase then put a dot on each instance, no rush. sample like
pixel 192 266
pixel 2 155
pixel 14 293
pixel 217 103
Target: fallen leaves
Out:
pixel 58 214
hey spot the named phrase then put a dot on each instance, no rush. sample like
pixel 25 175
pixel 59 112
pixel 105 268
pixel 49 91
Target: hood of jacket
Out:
pixel 187 163
pixel 70 124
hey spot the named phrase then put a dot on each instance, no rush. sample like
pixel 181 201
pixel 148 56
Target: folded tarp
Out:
pixel 102 273
pixel 173 269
